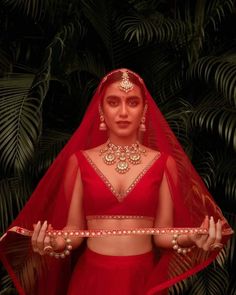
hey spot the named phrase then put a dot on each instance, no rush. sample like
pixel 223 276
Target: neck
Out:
pixel 119 140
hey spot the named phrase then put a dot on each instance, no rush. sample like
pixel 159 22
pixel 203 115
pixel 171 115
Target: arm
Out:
pixel 75 218
pixel 164 218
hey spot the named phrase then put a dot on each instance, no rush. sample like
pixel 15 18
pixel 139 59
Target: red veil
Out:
pixel 35 274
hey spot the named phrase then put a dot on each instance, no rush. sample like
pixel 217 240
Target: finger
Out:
pixel 35 236
pixel 50 227
pixel 218 231
pixel 41 237
pixel 212 235
pixel 205 223
pixel 200 239
pixel 47 244
pixel 47 239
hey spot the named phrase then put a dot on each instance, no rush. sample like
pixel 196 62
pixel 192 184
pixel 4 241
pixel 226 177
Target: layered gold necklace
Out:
pixel 122 156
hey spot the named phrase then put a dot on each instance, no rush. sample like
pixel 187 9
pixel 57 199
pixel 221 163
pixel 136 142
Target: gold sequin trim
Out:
pixel 90 217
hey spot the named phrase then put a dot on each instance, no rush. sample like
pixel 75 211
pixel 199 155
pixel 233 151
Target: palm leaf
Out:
pixel 177 113
pixel 7 286
pixel 5 62
pixel 197 17
pixel 32 8
pixel 214 114
pixel 14 192
pixel 21 96
pixel 222 257
pixel 179 288
pixel 231 246
pixel 99 14
pixel 213 280
pixel 232 287
pixel 196 33
pixel 6 282
pixel 221 72
pixel 50 144
pixel 69 32
pixel 217 11
pixel 19 121
pixel 205 166
pixel 144 29
pixel 226 173
pixel 87 62
pixel 162 72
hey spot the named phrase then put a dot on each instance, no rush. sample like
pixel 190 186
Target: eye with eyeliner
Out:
pixel 113 102
pixel 133 102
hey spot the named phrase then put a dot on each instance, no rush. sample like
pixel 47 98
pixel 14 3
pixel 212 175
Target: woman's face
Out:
pixel 122 110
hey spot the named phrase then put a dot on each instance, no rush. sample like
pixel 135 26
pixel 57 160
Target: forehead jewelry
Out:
pixel 125 84
pixel 122 156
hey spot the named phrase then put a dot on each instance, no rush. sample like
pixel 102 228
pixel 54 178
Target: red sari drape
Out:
pixel 35 274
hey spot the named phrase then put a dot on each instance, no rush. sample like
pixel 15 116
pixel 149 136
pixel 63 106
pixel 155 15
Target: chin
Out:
pixel 125 133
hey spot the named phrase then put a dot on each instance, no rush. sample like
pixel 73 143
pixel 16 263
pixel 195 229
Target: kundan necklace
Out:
pixel 122 156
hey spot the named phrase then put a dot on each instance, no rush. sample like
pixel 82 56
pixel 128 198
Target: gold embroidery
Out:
pixel 90 217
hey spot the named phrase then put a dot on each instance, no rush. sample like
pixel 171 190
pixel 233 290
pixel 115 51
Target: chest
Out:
pixel 124 196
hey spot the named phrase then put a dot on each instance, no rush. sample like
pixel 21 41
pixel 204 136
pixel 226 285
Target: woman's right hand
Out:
pixel 40 240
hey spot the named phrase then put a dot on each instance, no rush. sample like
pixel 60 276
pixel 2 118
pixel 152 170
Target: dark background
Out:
pixel 52 56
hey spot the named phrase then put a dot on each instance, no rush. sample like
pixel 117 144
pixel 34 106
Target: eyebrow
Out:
pixel 134 97
pixel 129 97
pixel 112 97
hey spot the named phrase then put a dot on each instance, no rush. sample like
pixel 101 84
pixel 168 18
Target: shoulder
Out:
pixel 94 150
pixel 75 159
pixel 76 156
pixel 151 153
pixel 81 157
pixel 167 158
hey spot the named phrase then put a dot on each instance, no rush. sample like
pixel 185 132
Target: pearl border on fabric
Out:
pixel 115 232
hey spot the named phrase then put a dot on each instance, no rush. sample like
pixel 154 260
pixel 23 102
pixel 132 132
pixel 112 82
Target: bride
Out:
pixel 123 199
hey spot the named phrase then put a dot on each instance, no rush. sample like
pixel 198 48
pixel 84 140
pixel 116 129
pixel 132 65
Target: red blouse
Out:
pixel 103 201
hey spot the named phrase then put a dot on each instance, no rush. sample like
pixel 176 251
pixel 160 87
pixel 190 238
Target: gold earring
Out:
pixel 102 125
pixel 142 126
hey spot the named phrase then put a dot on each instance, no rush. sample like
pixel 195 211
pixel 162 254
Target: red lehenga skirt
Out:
pixel 97 274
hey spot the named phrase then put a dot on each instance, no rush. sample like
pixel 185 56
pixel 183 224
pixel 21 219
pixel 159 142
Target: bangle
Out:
pixel 177 248
pixel 63 254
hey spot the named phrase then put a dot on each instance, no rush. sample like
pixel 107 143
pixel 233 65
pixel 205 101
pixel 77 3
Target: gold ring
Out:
pixel 47 249
pixel 215 246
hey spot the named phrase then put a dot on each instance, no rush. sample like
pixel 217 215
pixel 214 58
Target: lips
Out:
pixel 123 123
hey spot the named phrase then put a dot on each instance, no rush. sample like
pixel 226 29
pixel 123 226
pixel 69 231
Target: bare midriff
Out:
pixel 120 245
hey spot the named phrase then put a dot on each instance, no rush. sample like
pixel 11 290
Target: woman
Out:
pixel 131 191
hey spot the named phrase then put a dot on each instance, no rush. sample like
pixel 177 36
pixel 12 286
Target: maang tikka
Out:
pixel 125 84
pixel 102 124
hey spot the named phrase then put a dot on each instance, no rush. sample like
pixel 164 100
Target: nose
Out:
pixel 123 110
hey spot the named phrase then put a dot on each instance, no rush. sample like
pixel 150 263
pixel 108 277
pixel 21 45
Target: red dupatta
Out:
pixel 35 274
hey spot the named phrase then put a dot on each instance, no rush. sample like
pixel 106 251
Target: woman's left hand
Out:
pixel 212 240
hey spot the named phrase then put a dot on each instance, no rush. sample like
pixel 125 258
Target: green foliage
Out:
pixel 52 55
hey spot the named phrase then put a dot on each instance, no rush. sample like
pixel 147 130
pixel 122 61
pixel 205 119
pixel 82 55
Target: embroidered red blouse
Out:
pixel 102 200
